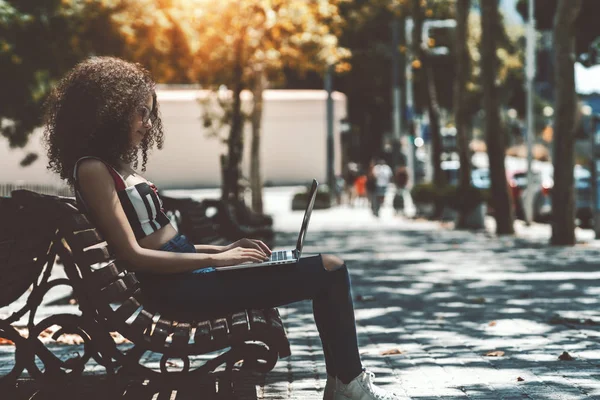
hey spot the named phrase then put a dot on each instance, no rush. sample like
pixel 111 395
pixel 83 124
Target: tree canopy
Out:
pixel 39 42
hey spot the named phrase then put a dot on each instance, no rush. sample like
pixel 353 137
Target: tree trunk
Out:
pixel 563 213
pixel 494 133
pixel 260 82
pixel 433 108
pixel 460 115
pixel 232 173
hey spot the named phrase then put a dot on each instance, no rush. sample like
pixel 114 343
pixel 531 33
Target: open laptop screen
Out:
pixel 309 207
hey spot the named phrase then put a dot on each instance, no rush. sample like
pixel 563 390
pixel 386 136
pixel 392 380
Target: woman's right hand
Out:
pixel 239 255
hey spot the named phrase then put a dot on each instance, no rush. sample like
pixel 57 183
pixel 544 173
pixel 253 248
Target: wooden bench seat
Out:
pixel 111 300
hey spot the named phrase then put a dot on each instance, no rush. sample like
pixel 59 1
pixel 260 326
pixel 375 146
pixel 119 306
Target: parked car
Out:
pixel 480 177
pixel 583 197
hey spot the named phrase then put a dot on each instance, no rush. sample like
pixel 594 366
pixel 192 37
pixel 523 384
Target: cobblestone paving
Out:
pixel 441 300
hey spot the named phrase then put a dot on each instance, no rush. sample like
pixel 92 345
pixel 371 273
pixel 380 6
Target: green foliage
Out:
pixel 425 193
pixel 450 195
pixel 39 42
pixel 463 199
pixel 322 201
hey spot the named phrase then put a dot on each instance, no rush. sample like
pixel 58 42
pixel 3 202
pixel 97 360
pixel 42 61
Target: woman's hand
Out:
pixel 250 244
pixel 239 255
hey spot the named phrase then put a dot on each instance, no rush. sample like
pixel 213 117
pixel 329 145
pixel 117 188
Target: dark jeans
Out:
pixel 206 293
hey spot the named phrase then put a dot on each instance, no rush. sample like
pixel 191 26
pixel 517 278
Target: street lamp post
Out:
pixel 396 111
pixel 530 73
pixel 329 122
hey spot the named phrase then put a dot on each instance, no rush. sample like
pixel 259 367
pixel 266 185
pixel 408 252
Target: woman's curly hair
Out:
pixel 89 112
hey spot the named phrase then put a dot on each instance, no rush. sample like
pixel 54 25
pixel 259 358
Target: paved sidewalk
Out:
pixel 438 300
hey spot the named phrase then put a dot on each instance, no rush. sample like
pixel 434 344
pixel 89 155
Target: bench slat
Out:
pixel 274 319
pixel 119 290
pixel 81 240
pixel 219 330
pixel 258 320
pixel 141 323
pixel 102 277
pixel 128 307
pixel 202 335
pixel 181 335
pixel 239 324
pixel 97 255
pixel 161 331
pixel 276 326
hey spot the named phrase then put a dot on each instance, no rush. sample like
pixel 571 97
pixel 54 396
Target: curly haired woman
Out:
pixel 99 119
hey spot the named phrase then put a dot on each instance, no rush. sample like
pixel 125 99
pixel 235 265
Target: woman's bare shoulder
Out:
pixel 93 175
pixel 91 168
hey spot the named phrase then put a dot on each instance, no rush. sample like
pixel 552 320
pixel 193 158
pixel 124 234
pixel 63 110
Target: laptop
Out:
pixel 285 256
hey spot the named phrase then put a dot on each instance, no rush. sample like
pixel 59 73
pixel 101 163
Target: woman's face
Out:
pixel 141 121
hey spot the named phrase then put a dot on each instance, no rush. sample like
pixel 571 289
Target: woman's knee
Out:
pixel 331 262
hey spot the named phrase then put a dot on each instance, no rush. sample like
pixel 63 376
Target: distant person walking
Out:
pixel 401 181
pixel 351 175
pixel 370 184
pixel 360 187
pixel 382 174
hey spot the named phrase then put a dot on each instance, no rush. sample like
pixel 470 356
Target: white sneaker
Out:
pixel 330 386
pixel 362 388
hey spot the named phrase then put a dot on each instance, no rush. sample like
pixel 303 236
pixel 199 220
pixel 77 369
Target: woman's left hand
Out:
pixel 249 244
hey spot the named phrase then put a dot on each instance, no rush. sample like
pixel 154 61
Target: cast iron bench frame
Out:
pixel 110 300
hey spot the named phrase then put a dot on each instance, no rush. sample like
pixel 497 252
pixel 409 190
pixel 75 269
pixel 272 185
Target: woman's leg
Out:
pixel 324 280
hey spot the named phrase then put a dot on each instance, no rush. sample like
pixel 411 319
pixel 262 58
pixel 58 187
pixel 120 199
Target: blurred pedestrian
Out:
pixel 352 174
pixel 383 175
pixel 401 181
pixel 360 187
pixel 339 184
pixel 371 184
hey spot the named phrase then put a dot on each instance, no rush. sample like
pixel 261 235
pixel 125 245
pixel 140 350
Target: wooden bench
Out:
pixel 42 228
pixel 214 221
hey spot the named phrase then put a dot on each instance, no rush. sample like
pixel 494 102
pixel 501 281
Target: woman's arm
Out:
pixel 98 190
pixel 209 248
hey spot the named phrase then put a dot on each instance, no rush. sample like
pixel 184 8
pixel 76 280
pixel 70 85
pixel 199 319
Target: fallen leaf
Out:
pixel 519 379
pixel 391 352
pixel 495 353
pixel 492 323
pixel 478 300
pixel 565 357
pixel 4 341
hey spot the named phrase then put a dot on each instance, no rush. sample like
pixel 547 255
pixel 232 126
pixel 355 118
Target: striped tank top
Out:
pixel 141 203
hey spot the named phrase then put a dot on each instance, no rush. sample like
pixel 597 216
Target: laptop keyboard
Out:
pixel 279 255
